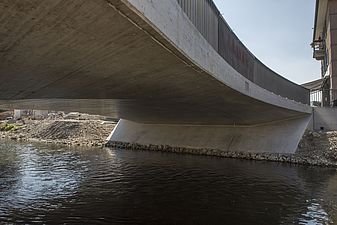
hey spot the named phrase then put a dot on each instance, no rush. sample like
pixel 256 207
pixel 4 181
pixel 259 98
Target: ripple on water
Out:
pixel 41 184
pixel 39 178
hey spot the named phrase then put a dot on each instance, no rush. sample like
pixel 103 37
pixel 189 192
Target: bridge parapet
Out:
pixel 208 20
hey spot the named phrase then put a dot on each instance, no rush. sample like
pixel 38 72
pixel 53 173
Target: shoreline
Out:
pixel 295 158
pixel 315 148
pixel 86 133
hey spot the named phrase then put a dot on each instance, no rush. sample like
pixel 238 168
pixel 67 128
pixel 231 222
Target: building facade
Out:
pixel 325 48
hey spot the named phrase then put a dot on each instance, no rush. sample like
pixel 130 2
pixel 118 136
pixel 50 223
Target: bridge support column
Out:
pixel 276 137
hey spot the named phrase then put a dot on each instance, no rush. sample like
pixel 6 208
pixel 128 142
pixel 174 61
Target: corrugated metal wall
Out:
pixel 234 52
pixel 207 19
pixel 204 15
pixel 268 79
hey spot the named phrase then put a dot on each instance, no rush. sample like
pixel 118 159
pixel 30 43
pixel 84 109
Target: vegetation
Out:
pixel 9 127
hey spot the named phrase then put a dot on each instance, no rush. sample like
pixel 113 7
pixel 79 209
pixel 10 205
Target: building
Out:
pixel 34 114
pixel 325 48
pixel 19 113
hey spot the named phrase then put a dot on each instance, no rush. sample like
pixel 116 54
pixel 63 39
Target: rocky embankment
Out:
pixel 72 132
pixel 315 148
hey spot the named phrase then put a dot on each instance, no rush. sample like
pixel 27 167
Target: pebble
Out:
pixel 315 148
pixel 70 133
pixel 297 158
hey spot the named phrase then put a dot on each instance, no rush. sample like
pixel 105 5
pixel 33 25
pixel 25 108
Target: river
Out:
pixel 55 184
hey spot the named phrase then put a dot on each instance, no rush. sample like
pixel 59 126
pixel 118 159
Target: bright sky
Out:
pixel 278 32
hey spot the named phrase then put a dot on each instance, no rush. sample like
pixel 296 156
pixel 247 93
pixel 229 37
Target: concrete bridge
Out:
pixel 172 70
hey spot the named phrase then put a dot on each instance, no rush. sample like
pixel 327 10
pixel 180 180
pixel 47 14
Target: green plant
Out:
pixel 9 127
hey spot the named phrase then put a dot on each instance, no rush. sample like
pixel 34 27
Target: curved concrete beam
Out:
pixel 168 19
pixel 138 60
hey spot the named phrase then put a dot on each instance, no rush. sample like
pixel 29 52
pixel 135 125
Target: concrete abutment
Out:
pixel 277 137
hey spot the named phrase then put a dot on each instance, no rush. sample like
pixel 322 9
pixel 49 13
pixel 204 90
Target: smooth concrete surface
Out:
pixel 278 137
pixel 142 61
pixel 144 58
pixel 174 27
pixel 324 119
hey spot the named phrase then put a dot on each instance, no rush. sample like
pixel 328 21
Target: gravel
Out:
pixel 60 131
pixel 315 148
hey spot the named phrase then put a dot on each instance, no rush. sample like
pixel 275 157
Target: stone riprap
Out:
pixel 315 148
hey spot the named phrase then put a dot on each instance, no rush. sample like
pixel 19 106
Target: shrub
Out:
pixel 9 127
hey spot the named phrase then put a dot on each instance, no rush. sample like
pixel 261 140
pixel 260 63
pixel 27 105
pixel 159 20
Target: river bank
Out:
pixel 315 148
pixel 70 132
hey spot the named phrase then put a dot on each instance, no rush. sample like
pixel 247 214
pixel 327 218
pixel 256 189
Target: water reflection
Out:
pixel 51 184
pixel 33 179
pixel 315 214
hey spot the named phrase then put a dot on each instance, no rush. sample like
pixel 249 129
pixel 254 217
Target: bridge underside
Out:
pixel 97 56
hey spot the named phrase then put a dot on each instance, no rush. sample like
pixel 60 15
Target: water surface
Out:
pixel 52 184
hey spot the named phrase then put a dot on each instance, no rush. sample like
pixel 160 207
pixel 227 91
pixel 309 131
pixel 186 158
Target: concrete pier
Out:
pixel 282 136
